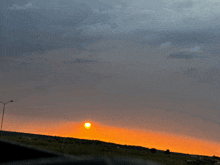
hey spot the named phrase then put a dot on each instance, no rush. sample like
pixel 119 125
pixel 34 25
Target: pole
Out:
pixel 2 119
pixel 3 114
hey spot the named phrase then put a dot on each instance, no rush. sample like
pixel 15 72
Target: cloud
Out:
pixel 46 28
pixel 160 15
pixel 77 23
pixel 27 6
pixel 129 15
pixel 164 45
pixel 77 61
pixel 181 55
pixel 195 49
pixel 182 38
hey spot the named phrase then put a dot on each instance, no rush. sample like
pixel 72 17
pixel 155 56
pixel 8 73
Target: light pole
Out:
pixel 3 113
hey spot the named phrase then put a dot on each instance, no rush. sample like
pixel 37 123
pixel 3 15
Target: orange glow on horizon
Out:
pixel 145 138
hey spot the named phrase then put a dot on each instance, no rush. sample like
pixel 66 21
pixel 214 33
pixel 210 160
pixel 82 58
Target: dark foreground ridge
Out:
pixel 39 136
pixel 18 154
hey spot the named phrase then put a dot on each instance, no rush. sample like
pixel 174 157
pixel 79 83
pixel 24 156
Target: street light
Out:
pixel 3 113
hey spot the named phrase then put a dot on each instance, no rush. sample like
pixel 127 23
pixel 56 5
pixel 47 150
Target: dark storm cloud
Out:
pixel 28 28
pixel 39 25
pixel 181 55
pixel 77 61
pixel 179 6
pixel 210 75
pixel 178 38
pixel 190 37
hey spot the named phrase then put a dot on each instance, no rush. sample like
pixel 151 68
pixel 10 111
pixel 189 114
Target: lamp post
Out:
pixel 3 113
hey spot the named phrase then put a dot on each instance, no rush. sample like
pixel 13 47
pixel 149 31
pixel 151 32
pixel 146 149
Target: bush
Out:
pixel 167 152
pixel 153 150
pixel 214 157
pixel 57 138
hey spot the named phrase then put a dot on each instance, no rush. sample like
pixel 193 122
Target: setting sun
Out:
pixel 87 125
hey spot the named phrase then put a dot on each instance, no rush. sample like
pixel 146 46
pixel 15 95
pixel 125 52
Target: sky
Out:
pixel 146 70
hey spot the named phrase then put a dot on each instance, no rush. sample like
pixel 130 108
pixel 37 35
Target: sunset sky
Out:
pixel 142 72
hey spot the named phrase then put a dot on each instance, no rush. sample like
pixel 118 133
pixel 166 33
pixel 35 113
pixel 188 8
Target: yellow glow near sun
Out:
pixel 87 125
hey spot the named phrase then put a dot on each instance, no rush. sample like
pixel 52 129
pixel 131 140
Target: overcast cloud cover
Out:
pixel 142 57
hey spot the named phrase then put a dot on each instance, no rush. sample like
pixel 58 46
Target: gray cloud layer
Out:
pixel 39 25
pixel 91 52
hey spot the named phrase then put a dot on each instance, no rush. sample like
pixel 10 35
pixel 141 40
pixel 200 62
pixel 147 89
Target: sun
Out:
pixel 87 125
